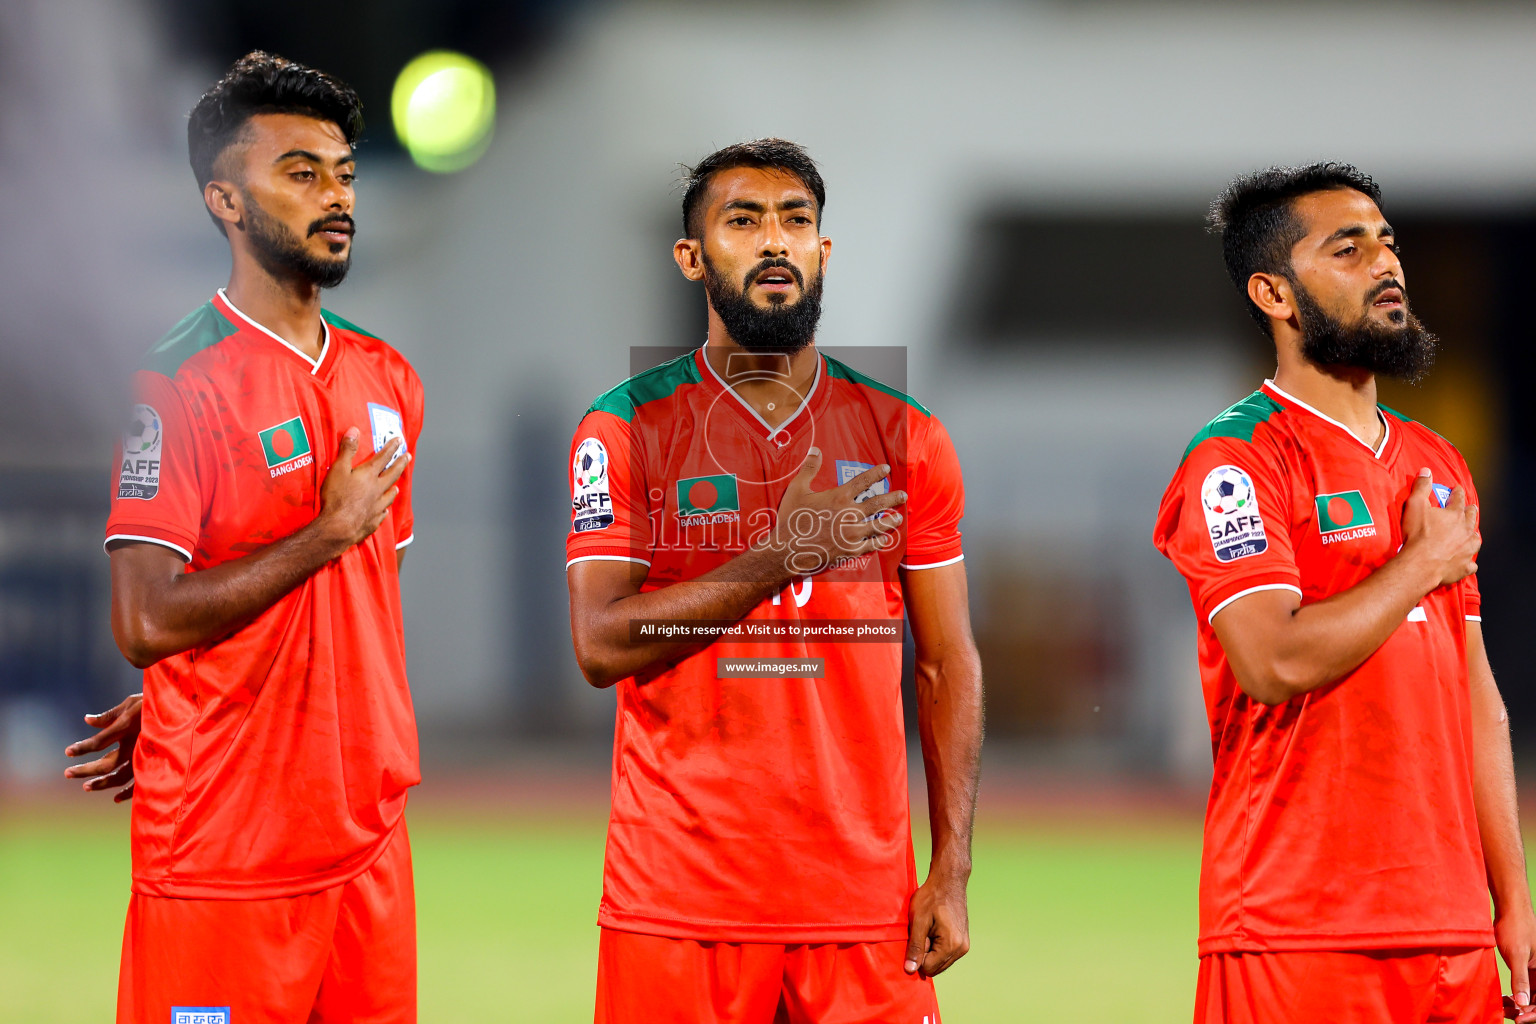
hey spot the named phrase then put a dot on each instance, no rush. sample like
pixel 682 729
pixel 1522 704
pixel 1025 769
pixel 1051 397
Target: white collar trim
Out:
pixel 769 428
pixel 1385 423
pixel 314 364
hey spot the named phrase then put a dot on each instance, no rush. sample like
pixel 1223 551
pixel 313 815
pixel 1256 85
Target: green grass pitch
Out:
pixel 1065 920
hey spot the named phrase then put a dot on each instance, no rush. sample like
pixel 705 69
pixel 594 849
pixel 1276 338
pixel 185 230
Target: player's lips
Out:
pixel 775 279
pixel 335 230
pixel 1389 298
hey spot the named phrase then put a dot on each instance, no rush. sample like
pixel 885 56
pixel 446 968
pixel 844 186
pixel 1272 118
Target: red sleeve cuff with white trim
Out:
pixel 139 533
pixel 1219 597
pixel 606 557
pixel 929 562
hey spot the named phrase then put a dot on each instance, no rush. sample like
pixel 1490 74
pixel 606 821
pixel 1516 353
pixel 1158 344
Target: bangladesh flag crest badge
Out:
pixel 1344 516
pixel 707 495
pixel 286 446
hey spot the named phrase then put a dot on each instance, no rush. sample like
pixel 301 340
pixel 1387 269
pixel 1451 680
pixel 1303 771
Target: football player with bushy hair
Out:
pixel 1363 804
pixel 261 512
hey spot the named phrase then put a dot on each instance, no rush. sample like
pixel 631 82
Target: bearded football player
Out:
pixel 759 864
pixel 1363 805
pixel 255 578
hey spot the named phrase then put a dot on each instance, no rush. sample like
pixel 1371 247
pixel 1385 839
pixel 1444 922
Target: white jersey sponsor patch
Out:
pixel 387 425
pixel 200 1015
pixel 847 469
pixel 591 504
pixel 1232 514
pixel 139 475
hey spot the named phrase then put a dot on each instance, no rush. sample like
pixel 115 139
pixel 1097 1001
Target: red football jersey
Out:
pixel 760 809
pixel 274 761
pixel 1343 818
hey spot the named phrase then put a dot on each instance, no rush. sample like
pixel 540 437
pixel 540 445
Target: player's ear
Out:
pixel 689 255
pixel 224 202
pixel 1272 294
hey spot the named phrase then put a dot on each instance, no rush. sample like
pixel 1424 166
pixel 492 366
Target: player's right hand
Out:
pixel 355 498
pixel 1446 538
pixel 113 769
pixel 816 528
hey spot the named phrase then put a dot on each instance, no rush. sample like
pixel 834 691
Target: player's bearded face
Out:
pixel 283 254
pixel 1401 347
pixel 780 326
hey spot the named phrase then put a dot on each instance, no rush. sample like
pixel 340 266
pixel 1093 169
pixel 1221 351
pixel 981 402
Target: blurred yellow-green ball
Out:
pixel 444 108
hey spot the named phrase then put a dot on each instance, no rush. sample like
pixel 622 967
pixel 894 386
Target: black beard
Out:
pixel 1405 350
pixel 782 327
pixel 282 255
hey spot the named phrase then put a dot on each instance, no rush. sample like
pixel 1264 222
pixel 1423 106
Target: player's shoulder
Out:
pixel 374 348
pixel 653 385
pixel 839 370
pixel 1217 467
pixel 362 335
pixel 1242 425
pixel 363 338
pixel 1420 433
pixel 197 332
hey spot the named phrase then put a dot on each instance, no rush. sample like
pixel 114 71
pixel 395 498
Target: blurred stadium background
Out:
pixel 1016 192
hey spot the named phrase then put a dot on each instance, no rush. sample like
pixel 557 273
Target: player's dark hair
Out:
pixel 775 154
pixel 1256 218
pixel 264 83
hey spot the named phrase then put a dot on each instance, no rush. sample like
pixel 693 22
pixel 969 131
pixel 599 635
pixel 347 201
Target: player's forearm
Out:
pixel 1321 643
pixel 156 616
pixel 607 648
pixel 949 722
pixel 1493 784
pixel 1498 820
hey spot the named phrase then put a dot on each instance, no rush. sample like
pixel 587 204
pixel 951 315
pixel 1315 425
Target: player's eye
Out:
pixel 346 179
pixel 303 175
pixel 740 220
pixel 1348 250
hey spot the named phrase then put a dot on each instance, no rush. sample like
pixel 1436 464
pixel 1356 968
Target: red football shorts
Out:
pixel 649 979
pixel 347 953
pixel 1410 986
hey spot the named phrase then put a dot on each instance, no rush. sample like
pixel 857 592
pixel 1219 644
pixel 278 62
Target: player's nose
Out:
pixel 337 195
pixel 1387 264
pixel 774 244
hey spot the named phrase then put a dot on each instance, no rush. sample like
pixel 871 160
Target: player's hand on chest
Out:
pixel 272 440
pixel 705 510
pixel 1349 512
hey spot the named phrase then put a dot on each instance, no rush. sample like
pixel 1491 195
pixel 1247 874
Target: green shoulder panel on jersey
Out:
pixel 648 386
pixel 1240 421
pixel 203 328
pixel 845 372
pixel 347 325
pixel 1409 419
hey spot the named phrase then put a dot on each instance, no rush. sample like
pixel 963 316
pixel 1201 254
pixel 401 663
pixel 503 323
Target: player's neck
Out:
pixel 289 309
pixel 1348 396
pixel 771 383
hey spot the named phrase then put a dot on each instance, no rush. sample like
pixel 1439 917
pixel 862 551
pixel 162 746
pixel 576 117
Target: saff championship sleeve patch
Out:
pixel 1232 514
pixel 591 502
pixel 139 475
